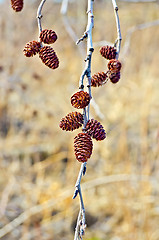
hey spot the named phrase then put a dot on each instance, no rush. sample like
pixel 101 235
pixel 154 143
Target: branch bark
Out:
pixel 39 15
pixel 81 225
pixel 119 38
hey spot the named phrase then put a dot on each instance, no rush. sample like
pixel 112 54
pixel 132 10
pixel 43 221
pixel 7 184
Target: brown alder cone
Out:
pixel 98 79
pixel 95 130
pixel 49 57
pixel 31 48
pixel 114 65
pixel 17 5
pixel 48 36
pixel 71 121
pixel 83 147
pixel 108 52
pixel 80 99
pixel 113 76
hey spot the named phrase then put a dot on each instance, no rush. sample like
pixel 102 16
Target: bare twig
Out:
pixel 82 38
pixel 119 38
pixel 80 226
pixel 39 15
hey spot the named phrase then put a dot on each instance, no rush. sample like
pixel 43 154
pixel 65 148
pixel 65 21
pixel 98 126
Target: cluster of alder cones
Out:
pixel 17 5
pixel 46 53
pixel 114 67
pixel 83 145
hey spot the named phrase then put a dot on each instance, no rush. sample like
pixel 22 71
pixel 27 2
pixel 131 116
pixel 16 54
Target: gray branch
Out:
pixel 119 38
pixel 39 15
pixel 81 225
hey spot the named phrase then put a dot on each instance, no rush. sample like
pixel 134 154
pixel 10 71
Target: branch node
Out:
pixel 116 41
pixel 40 16
pixel 82 232
pixel 81 87
pixel 75 193
pixel 91 49
pixel 84 170
pixel 85 35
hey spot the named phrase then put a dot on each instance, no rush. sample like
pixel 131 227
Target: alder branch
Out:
pixel 119 38
pixel 82 38
pixel 39 15
pixel 81 225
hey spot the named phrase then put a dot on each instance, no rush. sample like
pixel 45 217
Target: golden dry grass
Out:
pixel 38 167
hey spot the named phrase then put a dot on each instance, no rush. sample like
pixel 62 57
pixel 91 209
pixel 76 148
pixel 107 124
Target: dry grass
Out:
pixel 38 168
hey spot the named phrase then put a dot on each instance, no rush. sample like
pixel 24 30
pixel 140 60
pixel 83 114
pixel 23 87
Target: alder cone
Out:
pixel 114 76
pixel 108 52
pixel 114 65
pixel 95 130
pixel 17 5
pixel 98 79
pixel 71 121
pixel 31 48
pixel 83 147
pixel 48 36
pixel 49 57
pixel 80 99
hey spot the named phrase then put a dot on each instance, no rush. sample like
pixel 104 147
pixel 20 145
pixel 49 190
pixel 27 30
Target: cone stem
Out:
pixel 39 15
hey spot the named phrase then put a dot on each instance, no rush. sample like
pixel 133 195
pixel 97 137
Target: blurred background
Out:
pixel 38 169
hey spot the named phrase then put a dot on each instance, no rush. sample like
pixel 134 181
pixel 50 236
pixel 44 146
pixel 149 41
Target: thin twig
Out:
pixel 119 38
pixel 82 38
pixel 39 15
pixel 82 209
pixel 81 225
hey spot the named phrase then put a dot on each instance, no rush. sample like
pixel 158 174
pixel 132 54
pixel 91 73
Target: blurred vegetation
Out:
pixel 37 163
